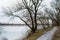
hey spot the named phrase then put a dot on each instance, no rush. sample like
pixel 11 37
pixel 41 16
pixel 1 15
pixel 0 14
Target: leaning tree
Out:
pixel 26 11
pixel 54 12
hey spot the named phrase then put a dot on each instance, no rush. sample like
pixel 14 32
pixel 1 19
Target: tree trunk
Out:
pixel 33 30
pixel 43 27
pixel 35 19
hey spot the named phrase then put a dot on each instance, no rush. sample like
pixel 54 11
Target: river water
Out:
pixel 13 32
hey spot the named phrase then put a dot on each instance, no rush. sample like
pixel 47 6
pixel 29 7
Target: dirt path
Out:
pixel 48 35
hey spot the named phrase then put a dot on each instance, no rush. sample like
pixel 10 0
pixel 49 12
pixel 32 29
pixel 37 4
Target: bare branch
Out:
pixel 23 21
pixel 39 4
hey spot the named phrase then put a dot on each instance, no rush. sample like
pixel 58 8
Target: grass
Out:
pixel 37 34
pixel 56 36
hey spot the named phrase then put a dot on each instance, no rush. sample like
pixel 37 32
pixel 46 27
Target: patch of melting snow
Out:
pixel 48 35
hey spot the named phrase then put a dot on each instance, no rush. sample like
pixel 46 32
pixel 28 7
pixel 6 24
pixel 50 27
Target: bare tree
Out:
pixel 27 11
pixel 54 13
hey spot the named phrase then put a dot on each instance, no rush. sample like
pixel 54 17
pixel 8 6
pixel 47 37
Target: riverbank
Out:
pixel 56 36
pixel 48 35
pixel 38 33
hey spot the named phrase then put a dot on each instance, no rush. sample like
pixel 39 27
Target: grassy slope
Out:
pixel 56 36
pixel 37 34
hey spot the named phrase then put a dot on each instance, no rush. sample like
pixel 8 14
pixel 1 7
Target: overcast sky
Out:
pixel 6 3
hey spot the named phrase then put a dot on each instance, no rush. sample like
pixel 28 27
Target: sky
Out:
pixel 3 17
pixel 6 3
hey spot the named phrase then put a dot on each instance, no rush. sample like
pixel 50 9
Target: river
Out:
pixel 13 32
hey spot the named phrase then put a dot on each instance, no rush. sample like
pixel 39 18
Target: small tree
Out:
pixel 29 10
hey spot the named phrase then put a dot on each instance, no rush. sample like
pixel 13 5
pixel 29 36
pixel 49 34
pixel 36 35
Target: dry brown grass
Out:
pixel 56 36
pixel 37 34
